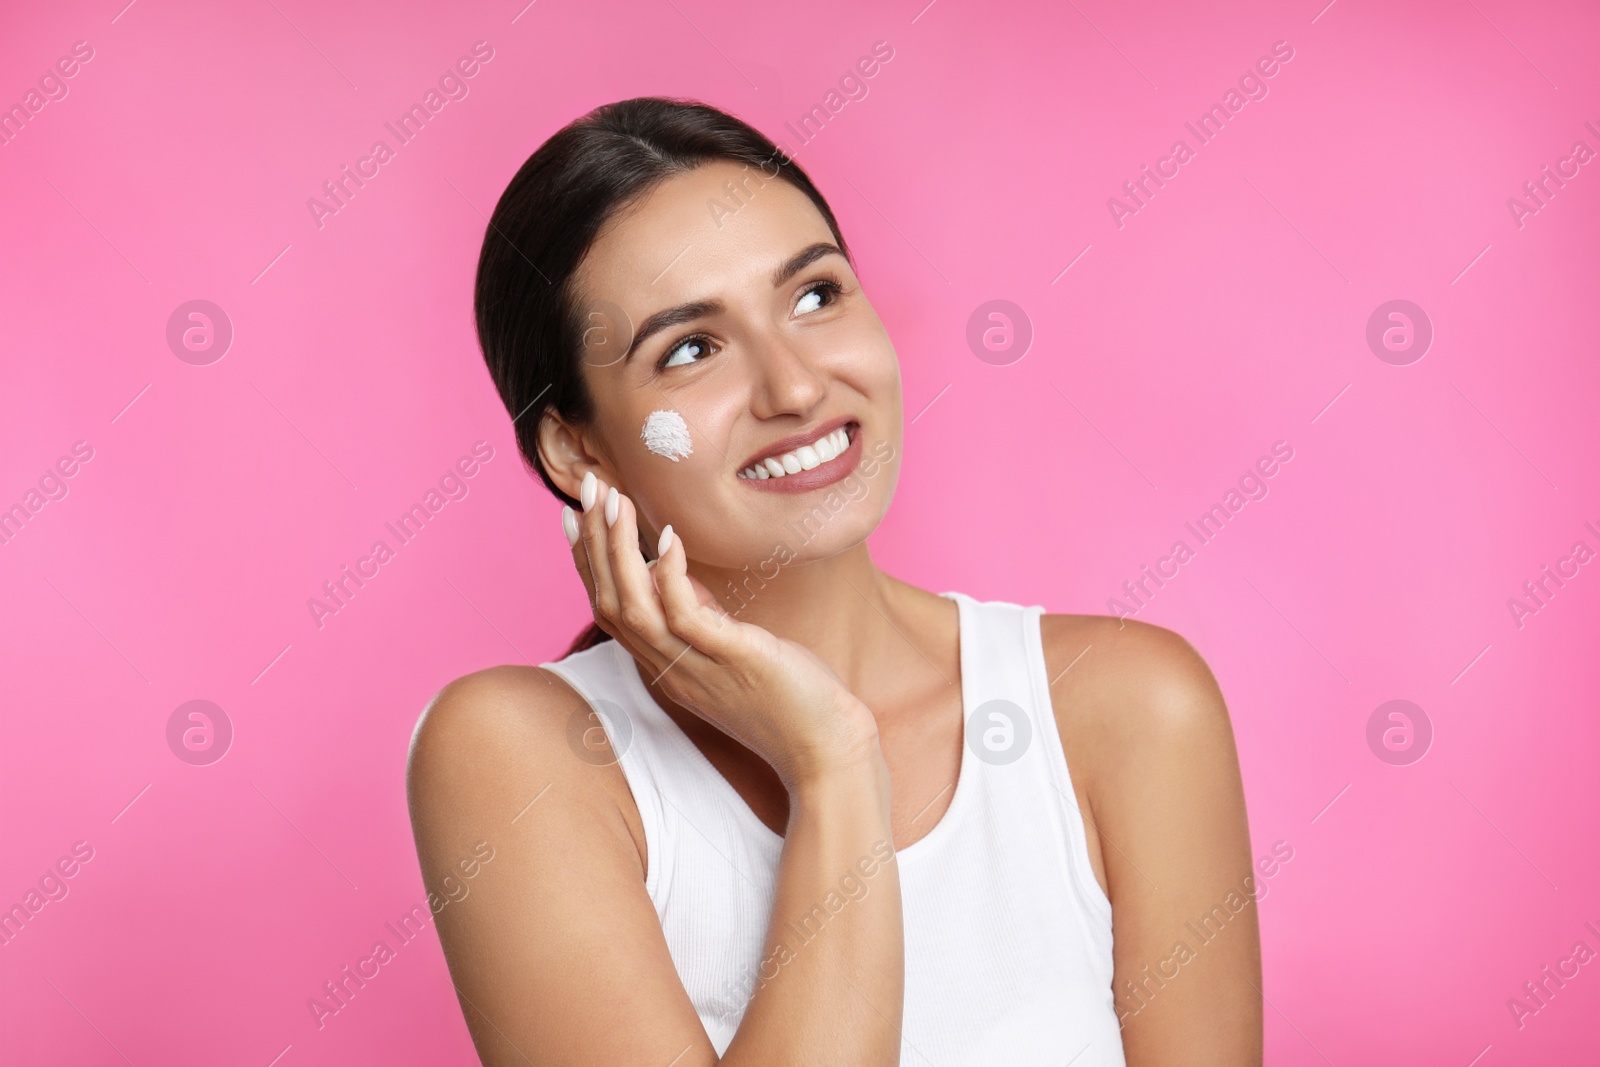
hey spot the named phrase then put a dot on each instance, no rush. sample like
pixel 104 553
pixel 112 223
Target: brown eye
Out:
pixel 695 344
pixel 826 286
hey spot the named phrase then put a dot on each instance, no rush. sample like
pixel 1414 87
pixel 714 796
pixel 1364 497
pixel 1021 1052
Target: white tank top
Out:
pixel 1007 933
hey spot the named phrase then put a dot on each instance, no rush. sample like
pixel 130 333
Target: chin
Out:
pixel 805 534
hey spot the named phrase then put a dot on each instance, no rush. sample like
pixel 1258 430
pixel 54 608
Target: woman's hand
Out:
pixel 774 696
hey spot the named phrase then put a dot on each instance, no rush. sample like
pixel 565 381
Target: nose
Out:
pixel 786 382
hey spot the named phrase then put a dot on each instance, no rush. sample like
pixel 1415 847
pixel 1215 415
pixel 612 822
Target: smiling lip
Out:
pixel 821 475
pixel 789 444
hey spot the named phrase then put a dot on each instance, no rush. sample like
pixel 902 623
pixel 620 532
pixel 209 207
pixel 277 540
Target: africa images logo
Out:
pixel 453 86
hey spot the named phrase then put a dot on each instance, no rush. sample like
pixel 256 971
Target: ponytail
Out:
pixel 592 635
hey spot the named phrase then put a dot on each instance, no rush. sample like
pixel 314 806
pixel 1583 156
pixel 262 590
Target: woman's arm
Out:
pixel 557 953
pixel 1152 755
pixel 838 997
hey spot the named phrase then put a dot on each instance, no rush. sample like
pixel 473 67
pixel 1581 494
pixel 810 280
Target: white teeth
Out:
pixel 803 458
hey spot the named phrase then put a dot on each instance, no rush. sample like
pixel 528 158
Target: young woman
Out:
pixel 776 806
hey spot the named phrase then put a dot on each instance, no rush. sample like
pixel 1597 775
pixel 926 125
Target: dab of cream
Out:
pixel 666 434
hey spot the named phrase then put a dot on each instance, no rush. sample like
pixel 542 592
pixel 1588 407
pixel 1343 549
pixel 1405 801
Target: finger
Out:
pixel 592 525
pixel 641 610
pixel 589 556
pixel 580 548
pixel 706 628
pixel 580 553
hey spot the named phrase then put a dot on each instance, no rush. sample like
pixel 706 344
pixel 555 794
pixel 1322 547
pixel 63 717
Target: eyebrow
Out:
pixel 667 318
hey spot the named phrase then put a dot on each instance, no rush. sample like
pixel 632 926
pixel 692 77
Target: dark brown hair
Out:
pixel 545 222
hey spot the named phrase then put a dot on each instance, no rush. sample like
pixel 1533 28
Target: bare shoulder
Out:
pixel 1121 683
pixel 505 713
pixel 1148 740
pixel 1133 704
pixel 529 865
pixel 495 697
pixel 1159 660
pixel 493 739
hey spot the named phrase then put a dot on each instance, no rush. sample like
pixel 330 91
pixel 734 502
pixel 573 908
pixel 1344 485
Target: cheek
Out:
pixel 668 457
pixel 860 355
pixel 666 434
pixel 876 375
pixel 879 364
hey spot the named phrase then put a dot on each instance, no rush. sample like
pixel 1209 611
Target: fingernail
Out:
pixel 665 542
pixel 569 523
pixel 613 502
pixel 587 490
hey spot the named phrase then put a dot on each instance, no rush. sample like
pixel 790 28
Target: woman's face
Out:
pixel 764 336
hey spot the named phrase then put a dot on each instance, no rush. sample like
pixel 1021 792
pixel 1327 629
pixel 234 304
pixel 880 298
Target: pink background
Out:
pixel 1229 313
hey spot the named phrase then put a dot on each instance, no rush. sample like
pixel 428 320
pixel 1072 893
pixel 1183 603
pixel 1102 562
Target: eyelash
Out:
pixel 828 285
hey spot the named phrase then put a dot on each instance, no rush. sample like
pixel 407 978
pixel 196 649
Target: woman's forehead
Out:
pixel 692 235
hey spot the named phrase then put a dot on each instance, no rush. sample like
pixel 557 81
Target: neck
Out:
pixel 844 609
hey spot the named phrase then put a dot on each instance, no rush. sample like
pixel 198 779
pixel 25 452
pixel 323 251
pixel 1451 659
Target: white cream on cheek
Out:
pixel 666 434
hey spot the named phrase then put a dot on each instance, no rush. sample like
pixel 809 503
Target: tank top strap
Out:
pixel 1012 731
pixel 1004 704
pixel 995 661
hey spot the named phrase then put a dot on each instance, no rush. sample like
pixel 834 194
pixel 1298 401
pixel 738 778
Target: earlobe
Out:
pixel 559 454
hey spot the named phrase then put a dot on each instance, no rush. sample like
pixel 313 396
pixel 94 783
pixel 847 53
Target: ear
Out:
pixel 564 451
